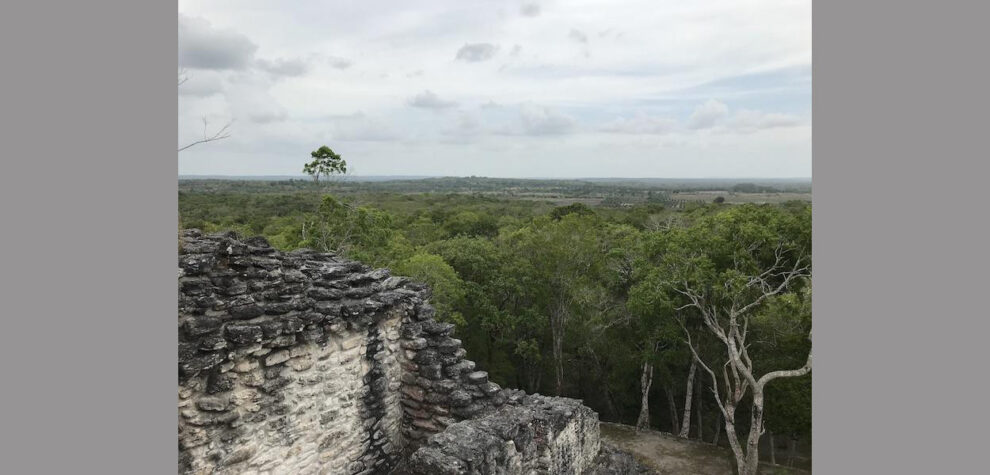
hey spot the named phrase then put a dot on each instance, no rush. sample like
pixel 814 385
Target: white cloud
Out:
pixel 541 120
pixel 476 52
pixel 202 83
pixel 201 46
pixel 429 100
pixel 339 63
pixel 640 124
pixel 283 67
pixel 359 127
pixel 651 60
pixel 708 114
pixel 578 36
pixel 530 9
pixel 751 121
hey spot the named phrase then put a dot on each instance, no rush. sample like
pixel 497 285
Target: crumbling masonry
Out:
pixel 305 363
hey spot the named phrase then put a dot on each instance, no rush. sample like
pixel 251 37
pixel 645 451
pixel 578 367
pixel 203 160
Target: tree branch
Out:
pixel 718 398
pixel 221 134
pixel 792 373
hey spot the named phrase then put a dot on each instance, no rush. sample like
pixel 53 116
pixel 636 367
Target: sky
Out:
pixel 499 88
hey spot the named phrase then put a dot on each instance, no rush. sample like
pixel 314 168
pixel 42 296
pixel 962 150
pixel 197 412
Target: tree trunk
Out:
pixel 672 405
pixel 645 381
pixel 742 464
pixel 699 404
pixel 752 461
pixel 557 319
pixel 773 449
pixel 791 450
pixel 688 397
pixel 558 365
pixel 610 404
pixel 718 429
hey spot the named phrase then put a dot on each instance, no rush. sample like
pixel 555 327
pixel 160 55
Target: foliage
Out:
pixel 536 286
pixel 325 163
pixel 361 232
pixel 446 285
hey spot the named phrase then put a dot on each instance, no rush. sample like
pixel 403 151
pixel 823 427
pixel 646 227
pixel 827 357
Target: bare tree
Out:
pixel 220 134
pixel 729 323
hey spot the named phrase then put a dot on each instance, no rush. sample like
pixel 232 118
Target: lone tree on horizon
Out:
pixel 325 162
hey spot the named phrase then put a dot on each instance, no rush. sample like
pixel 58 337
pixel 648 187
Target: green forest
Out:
pixel 692 319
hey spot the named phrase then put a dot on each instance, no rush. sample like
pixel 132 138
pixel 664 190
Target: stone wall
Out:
pixel 303 362
pixel 288 363
pixel 536 435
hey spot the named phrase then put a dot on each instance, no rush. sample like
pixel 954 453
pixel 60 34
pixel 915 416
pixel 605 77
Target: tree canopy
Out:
pixel 325 163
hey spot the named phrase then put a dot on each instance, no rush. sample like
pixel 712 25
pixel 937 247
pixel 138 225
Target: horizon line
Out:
pixel 515 177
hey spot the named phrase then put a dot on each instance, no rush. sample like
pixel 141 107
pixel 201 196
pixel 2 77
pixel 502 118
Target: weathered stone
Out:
pixel 245 312
pixel 201 362
pixel 460 398
pixel 427 357
pixel 283 341
pixel 414 392
pixel 455 371
pixel 343 367
pixel 489 388
pixel 445 385
pixel 436 328
pixel 212 343
pixel 276 358
pixel 324 293
pixel 448 346
pixel 215 404
pixel 414 343
pixel 431 371
pixel 477 377
pixel 241 334
pixel 201 325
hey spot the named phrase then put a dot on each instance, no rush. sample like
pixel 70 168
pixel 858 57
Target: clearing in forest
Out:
pixel 668 454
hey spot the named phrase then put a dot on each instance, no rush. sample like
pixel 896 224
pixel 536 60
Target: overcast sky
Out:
pixel 506 88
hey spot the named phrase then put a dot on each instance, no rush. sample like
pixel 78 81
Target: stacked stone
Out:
pixel 287 361
pixel 440 386
pixel 302 362
pixel 537 434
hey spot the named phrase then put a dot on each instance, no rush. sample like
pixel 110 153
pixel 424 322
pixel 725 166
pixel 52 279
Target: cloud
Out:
pixel 201 84
pixel 751 121
pixel 203 47
pixel 537 120
pixel 530 9
pixel 429 100
pixel 339 63
pixel 283 67
pixel 578 36
pixel 516 49
pixel 250 100
pixel 465 127
pixel 747 55
pixel 708 114
pixel 476 52
pixel 640 124
pixel 359 127
pixel 268 117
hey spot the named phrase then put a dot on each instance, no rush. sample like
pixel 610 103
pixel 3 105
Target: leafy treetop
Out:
pixel 325 162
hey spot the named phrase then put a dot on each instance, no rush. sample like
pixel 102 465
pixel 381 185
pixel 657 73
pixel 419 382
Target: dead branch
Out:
pixel 221 134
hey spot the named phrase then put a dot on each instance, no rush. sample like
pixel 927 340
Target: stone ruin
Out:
pixel 306 363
